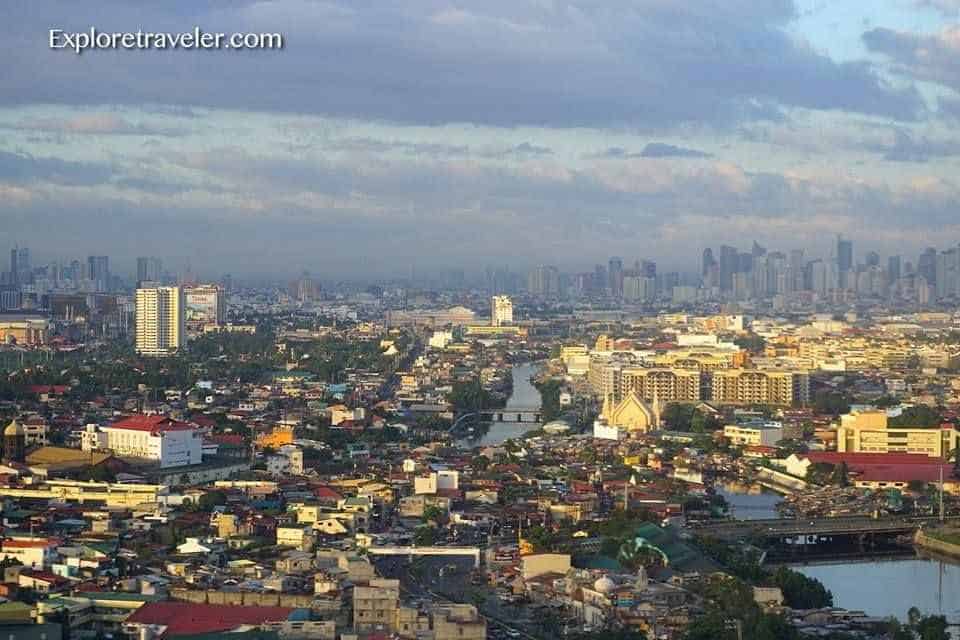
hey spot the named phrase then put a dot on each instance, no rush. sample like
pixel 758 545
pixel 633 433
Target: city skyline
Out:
pixel 486 134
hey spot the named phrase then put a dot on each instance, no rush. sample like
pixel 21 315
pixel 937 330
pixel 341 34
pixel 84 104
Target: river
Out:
pixel 890 587
pixel 749 501
pixel 524 394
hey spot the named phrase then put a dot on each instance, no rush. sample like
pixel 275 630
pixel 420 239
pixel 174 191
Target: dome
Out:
pixel 14 429
pixel 604 585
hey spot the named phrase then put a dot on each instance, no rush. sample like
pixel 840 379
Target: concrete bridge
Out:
pixel 512 414
pixel 473 552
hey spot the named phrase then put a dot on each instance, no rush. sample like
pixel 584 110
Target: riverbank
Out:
pixel 946 542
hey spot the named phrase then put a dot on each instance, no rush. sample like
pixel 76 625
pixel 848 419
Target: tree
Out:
pixel 918 416
pixel 433 514
pixel 800 591
pixel 424 536
pixel 841 475
pixel 212 499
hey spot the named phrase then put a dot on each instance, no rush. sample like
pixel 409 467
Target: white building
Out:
pixel 501 311
pixel 160 320
pixel 766 434
pixel 447 479
pixel 159 438
pixel 287 461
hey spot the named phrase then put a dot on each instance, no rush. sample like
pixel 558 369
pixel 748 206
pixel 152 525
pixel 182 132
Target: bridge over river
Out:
pixel 774 529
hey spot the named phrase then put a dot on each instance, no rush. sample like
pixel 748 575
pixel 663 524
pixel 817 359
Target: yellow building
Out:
pixel 667 385
pixel 111 495
pixel 631 414
pixel 276 438
pixel 23 329
pixel 604 343
pixel 753 386
pixel 870 432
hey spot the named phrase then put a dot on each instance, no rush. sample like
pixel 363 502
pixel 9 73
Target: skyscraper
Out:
pixel 844 262
pixel 98 270
pixel 149 269
pixel 927 265
pixel 893 269
pixel 14 267
pixel 615 273
pixel 729 261
pixel 501 311
pixel 160 321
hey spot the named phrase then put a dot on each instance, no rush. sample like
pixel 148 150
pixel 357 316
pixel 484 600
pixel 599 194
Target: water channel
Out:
pixel 524 395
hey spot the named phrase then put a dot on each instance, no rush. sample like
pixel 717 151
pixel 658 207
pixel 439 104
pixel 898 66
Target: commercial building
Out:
pixel 870 432
pixel 149 269
pixel 24 329
pixel 158 438
pixel 160 321
pixel 206 305
pixel 765 434
pixel 501 311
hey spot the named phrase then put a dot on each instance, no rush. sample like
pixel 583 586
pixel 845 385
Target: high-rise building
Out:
pixel 615 273
pixel 160 321
pixel 501 311
pixel 927 265
pixel 844 262
pixel 149 269
pixel 98 270
pixel 872 259
pixel 729 261
pixel 206 305
pixel 893 269
pixel 14 267
pixel 544 281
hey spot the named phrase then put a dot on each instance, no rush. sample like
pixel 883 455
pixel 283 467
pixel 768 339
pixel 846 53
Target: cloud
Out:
pixel 949 8
pixel 651 150
pixel 907 147
pixel 22 168
pixel 643 63
pixel 95 124
pixel 661 150
pixel 934 57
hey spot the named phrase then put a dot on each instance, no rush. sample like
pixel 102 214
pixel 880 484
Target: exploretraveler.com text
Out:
pixel 80 41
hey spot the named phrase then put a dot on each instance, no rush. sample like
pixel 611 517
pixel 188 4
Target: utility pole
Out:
pixel 941 493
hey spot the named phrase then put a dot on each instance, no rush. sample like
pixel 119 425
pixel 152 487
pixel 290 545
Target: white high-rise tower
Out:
pixel 161 321
pixel 501 311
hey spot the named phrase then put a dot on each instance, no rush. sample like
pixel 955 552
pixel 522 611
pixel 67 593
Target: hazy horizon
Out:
pixel 461 135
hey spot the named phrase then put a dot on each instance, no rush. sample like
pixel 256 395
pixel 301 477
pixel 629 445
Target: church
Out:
pixel 629 416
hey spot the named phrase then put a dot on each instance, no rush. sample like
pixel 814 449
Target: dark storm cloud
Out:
pixel 22 168
pixel 647 63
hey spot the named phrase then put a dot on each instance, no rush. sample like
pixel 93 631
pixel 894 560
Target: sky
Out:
pixel 437 134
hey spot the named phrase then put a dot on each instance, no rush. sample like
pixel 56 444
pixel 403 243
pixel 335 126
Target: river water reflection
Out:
pixel 891 587
pixel 524 395
pixel 749 502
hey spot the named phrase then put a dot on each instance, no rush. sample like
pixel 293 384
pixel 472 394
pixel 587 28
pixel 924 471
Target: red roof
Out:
pixel 55 389
pixel 37 543
pixel 855 460
pixel 326 492
pixel 225 438
pixel 185 618
pixel 903 473
pixel 153 424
